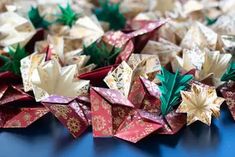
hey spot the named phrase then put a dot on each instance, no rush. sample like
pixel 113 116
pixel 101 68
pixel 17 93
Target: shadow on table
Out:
pixel 199 136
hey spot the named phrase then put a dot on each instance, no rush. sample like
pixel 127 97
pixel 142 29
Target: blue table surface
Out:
pixel 47 138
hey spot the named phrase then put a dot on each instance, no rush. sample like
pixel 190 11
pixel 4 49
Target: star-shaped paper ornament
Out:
pixel 52 79
pixel 37 20
pixel 200 104
pixel 66 52
pixel 68 16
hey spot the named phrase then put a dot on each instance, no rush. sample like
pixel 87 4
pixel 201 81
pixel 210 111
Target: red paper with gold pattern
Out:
pixel 141 32
pixel 20 117
pixel 11 89
pixel 144 31
pixel 145 95
pixel 17 108
pixel 109 108
pixel 96 76
pixel 70 112
pixel 136 127
pixel 228 92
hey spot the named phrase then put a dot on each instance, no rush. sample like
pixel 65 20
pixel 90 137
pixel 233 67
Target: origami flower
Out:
pixel 51 79
pixel 13 115
pixel 199 36
pixel 209 65
pixel 109 108
pixel 55 48
pixel 215 64
pixel 122 77
pixel 200 104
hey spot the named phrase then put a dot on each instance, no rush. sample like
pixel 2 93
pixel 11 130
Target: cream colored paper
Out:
pixel 201 103
pixel 51 79
pixel 120 78
pixel 14 29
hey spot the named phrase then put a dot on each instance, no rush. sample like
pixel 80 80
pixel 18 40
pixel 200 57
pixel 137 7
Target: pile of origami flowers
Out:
pixel 126 68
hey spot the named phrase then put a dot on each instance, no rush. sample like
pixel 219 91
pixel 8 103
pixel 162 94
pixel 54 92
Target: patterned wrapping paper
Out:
pixel 109 108
pixel 146 95
pixel 121 40
pixel 197 38
pixel 228 92
pixel 17 108
pixel 112 117
pixel 200 104
pixel 73 113
pixel 66 84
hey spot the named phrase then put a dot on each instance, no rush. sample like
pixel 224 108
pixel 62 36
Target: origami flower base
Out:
pixel 20 117
pixel 109 109
pixel 69 112
pixel 228 92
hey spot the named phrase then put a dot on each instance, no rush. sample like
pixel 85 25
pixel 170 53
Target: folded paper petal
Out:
pixel 51 79
pixel 200 104
pixel 135 128
pixel 69 112
pixel 109 108
pixel 14 29
pixel 20 117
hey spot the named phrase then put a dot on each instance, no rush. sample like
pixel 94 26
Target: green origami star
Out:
pixel 109 12
pixel 11 62
pixel 171 85
pixel 68 16
pixel 100 54
pixel 37 20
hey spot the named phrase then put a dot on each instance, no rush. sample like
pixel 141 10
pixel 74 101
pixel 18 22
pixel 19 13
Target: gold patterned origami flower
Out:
pixel 200 104
pixel 52 79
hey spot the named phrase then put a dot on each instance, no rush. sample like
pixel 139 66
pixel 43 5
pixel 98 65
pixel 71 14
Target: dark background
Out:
pixel 47 138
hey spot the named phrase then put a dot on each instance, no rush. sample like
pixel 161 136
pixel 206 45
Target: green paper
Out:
pixel 37 20
pixel 109 12
pixel 12 63
pixel 171 85
pixel 100 54
pixel 67 17
pixel 230 73
pixel 210 21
